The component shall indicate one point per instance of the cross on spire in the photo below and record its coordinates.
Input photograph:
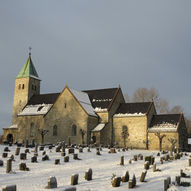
(30, 48)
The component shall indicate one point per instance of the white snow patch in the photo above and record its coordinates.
(39, 109)
(99, 127)
(129, 114)
(101, 100)
(99, 109)
(12, 127)
(164, 127)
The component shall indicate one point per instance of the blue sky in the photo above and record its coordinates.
(97, 44)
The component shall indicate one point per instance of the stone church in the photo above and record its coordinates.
(81, 117)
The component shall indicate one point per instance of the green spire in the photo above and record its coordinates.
(28, 70)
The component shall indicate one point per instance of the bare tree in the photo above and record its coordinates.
(173, 143)
(83, 132)
(42, 132)
(176, 109)
(126, 97)
(160, 137)
(124, 135)
(148, 95)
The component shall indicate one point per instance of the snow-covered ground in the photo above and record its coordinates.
(103, 167)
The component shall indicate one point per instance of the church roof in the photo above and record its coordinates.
(43, 99)
(126, 109)
(101, 98)
(28, 70)
(165, 122)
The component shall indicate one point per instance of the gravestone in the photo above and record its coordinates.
(130, 183)
(112, 150)
(4, 155)
(57, 161)
(135, 157)
(122, 160)
(75, 156)
(116, 181)
(74, 179)
(52, 182)
(6, 149)
(23, 156)
(98, 153)
(17, 151)
(23, 167)
(44, 152)
(88, 175)
(63, 154)
(154, 167)
(9, 166)
(9, 188)
(71, 151)
(58, 149)
(45, 157)
(125, 178)
(146, 165)
(41, 148)
(80, 150)
(143, 175)
(33, 159)
(70, 189)
(27, 151)
(1, 163)
(66, 159)
(134, 180)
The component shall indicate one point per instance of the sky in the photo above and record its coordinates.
(94, 44)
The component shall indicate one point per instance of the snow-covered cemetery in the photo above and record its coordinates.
(70, 168)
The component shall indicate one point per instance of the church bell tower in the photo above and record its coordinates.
(27, 84)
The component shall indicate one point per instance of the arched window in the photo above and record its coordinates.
(32, 130)
(124, 129)
(74, 130)
(55, 130)
(23, 86)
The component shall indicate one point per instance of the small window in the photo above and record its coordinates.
(34, 87)
(23, 86)
(19, 86)
(55, 130)
(124, 128)
(74, 130)
(65, 105)
(32, 130)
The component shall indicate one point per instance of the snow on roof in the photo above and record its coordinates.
(99, 109)
(99, 127)
(129, 114)
(12, 127)
(84, 100)
(164, 127)
(38, 109)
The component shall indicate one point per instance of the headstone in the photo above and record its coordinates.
(41, 148)
(177, 180)
(112, 150)
(88, 175)
(140, 157)
(6, 149)
(9, 166)
(58, 149)
(66, 159)
(9, 188)
(44, 152)
(135, 157)
(23, 167)
(146, 165)
(27, 144)
(75, 156)
(71, 151)
(52, 182)
(1, 163)
(57, 161)
(50, 147)
(63, 148)
(143, 175)
(33, 159)
(161, 160)
(98, 153)
(74, 179)
(189, 161)
(88, 149)
(165, 185)
(122, 160)
(130, 161)
(134, 180)
(130, 183)
(45, 157)
(4, 155)
(63, 154)
(80, 150)
(23, 156)
(125, 178)
(154, 167)
(27, 151)
(116, 181)
(17, 151)
(12, 157)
